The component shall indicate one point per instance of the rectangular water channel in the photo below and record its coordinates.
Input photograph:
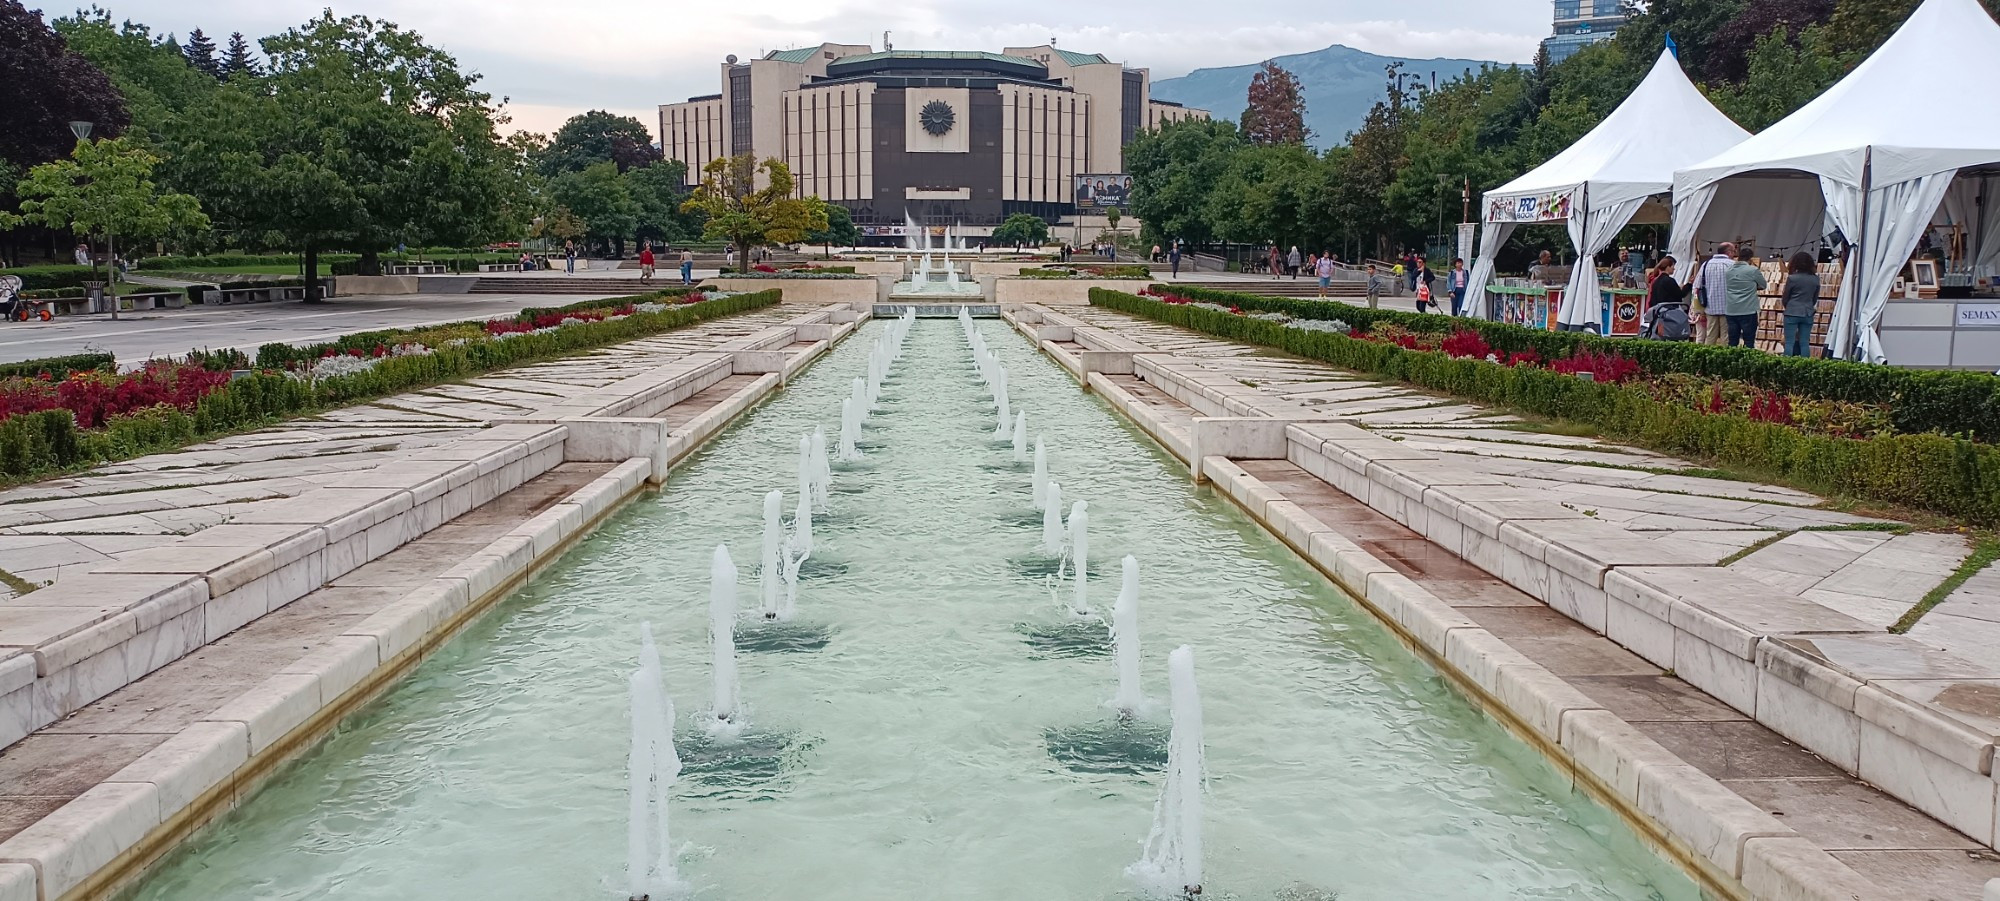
(916, 760)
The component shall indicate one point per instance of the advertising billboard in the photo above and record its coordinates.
(1095, 192)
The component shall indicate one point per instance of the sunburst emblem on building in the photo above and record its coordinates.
(937, 117)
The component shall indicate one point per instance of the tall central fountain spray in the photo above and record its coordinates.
(1171, 867)
(1125, 640)
(1052, 529)
(770, 569)
(724, 705)
(1079, 553)
(651, 770)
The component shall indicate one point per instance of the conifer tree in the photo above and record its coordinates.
(239, 58)
(200, 52)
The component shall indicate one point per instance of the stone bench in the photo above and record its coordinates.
(222, 294)
(418, 269)
(500, 267)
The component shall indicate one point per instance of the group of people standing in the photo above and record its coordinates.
(1722, 298)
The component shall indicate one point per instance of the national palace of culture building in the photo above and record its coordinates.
(946, 137)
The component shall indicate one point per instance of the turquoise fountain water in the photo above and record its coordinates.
(914, 753)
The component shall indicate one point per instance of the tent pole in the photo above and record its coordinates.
(1856, 253)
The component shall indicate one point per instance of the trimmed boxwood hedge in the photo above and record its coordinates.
(38, 443)
(42, 278)
(1946, 475)
(1948, 402)
(55, 367)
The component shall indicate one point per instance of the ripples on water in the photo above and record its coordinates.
(945, 735)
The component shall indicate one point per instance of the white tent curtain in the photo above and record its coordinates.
(1492, 236)
(1590, 233)
(1689, 208)
(1981, 222)
(1898, 215)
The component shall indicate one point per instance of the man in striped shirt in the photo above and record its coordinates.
(1713, 282)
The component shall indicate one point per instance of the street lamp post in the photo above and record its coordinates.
(82, 128)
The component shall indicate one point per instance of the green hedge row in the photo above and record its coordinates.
(38, 443)
(1951, 403)
(42, 278)
(610, 303)
(55, 367)
(1954, 477)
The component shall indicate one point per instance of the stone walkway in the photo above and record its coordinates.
(62, 527)
(1829, 577)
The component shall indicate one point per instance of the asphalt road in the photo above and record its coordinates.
(135, 337)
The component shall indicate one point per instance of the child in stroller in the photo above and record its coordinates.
(13, 308)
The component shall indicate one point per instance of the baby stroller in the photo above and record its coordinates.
(1668, 322)
(13, 308)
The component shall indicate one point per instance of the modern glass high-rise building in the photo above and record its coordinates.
(1580, 23)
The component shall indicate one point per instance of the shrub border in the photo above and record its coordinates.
(33, 445)
(1953, 477)
(1917, 400)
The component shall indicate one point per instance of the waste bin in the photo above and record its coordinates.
(95, 293)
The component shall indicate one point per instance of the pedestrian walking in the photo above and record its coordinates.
(1324, 269)
(1275, 262)
(82, 254)
(569, 257)
(646, 262)
(687, 266)
(1174, 261)
(1801, 296)
(1460, 280)
(1711, 293)
(1374, 288)
(1293, 261)
(1743, 282)
(1422, 280)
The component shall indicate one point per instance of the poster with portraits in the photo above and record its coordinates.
(1096, 192)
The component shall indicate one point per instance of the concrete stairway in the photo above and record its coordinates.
(1270, 287)
(557, 285)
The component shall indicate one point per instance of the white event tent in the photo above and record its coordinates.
(1877, 156)
(1602, 182)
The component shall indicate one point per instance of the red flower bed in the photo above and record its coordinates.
(93, 397)
(1603, 367)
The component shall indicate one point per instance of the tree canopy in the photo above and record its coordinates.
(106, 189)
(747, 216)
(599, 137)
(1022, 229)
(44, 86)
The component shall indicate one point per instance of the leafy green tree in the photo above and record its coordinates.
(361, 136)
(1022, 229)
(560, 225)
(599, 197)
(1173, 170)
(105, 189)
(151, 72)
(200, 53)
(1691, 22)
(747, 216)
(839, 229)
(659, 190)
(596, 137)
(1860, 26)
(1783, 75)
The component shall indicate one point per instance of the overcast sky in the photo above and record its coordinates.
(554, 60)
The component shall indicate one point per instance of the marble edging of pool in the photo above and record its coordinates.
(406, 632)
(1731, 847)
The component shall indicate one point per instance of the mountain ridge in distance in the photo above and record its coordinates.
(1341, 84)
